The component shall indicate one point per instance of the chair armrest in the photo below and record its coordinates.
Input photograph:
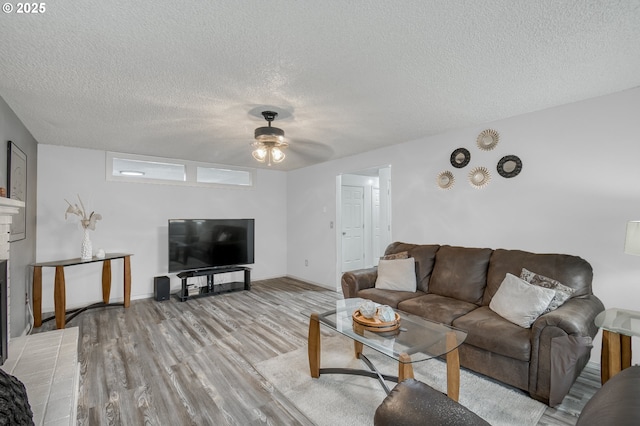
(354, 281)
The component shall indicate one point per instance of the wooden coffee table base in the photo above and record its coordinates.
(405, 367)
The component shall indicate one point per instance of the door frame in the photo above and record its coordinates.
(386, 186)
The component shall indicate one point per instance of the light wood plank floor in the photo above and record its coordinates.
(182, 363)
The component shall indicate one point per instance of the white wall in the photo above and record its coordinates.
(579, 186)
(22, 251)
(135, 221)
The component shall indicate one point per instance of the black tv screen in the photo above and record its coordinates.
(210, 243)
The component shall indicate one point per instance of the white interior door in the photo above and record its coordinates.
(352, 228)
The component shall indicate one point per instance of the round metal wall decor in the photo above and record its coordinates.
(509, 166)
(445, 180)
(460, 158)
(479, 177)
(488, 139)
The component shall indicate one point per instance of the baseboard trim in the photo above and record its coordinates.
(304, 280)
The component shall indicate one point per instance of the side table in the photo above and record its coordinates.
(618, 325)
(59, 292)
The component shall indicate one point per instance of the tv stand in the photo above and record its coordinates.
(210, 289)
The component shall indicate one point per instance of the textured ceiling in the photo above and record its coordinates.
(188, 80)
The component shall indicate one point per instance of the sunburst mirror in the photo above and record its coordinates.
(479, 177)
(488, 139)
(445, 180)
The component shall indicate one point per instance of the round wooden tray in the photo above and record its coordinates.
(375, 324)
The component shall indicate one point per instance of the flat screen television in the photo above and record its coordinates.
(196, 244)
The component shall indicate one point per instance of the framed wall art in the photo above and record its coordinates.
(17, 188)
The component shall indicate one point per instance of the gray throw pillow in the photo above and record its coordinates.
(393, 256)
(563, 293)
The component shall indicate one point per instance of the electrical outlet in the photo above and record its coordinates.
(306, 262)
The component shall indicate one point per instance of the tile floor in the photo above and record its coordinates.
(47, 364)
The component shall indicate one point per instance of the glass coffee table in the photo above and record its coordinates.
(417, 339)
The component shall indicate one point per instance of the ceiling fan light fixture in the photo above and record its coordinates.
(277, 155)
(269, 142)
(269, 134)
(260, 154)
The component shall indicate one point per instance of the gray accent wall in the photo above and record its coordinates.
(23, 252)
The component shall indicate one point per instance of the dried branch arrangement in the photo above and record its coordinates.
(87, 222)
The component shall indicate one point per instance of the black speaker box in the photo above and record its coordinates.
(161, 288)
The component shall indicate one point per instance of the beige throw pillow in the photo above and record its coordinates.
(520, 302)
(398, 274)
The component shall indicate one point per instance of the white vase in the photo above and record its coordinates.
(87, 249)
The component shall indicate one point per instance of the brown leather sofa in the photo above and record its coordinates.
(455, 286)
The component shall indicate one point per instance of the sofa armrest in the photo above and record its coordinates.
(354, 281)
(561, 343)
(575, 317)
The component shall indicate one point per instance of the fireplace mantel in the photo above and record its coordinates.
(8, 207)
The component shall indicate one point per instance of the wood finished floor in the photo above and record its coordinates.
(191, 363)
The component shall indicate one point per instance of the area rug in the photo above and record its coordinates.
(337, 399)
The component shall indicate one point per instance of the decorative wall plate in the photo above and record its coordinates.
(479, 177)
(509, 166)
(445, 180)
(488, 139)
(460, 158)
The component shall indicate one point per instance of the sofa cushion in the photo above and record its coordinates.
(388, 297)
(572, 271)
(425, 256)
(563, 293)
(437, 308)
(489, 331)
(398, 274)
(460, 273)
(520, 302)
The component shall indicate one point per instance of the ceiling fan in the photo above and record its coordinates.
(269, 143)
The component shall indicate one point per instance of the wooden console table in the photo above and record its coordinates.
(59, 297)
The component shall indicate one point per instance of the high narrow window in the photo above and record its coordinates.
(149, 169)
(223, 176)
(139, 168)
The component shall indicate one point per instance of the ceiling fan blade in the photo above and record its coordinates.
(310, 150)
